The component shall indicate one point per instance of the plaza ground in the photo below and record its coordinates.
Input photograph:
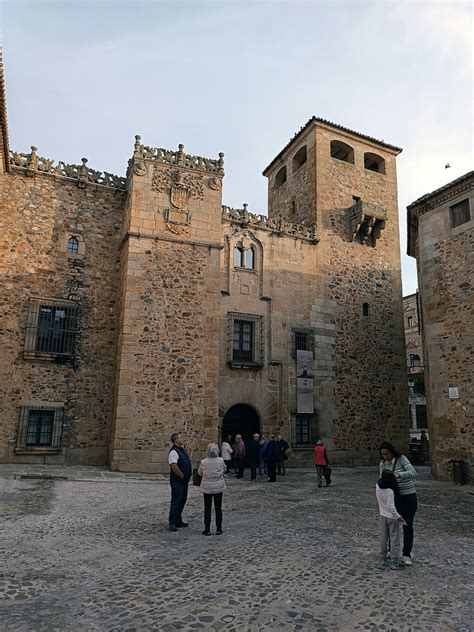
(87, 549)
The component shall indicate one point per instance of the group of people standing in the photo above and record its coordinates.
(268, 456)
(395, 489)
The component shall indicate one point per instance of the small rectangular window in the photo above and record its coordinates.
(303, 429)
(410, 321)
(302, 340)
(460, 213)
(51, 327)
(40, 426)
(245, 339)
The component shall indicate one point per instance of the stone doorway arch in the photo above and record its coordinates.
(240, 419)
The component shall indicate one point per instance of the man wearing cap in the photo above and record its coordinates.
(180, 473)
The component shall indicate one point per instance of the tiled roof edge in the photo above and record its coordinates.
(3, 116)
(316, 119)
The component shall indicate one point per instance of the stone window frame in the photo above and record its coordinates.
(243, 254)
(81, 246)
(309, 339)
(455, 218)
(257, 361)
(307, 436)
(336, 146)
(32, 350)
(281, 176)
(21, 442)
(371, 160)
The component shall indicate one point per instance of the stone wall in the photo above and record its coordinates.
(37, 216)
(445, 263)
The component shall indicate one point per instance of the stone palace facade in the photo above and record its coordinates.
(135, 306)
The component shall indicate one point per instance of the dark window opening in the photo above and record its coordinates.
(415, 360)
(460, 213)
(56, 329)
(341, 151)
(293, 209)
(39, 426)
(303, 429)
(299, 158)
(355, 200)
(365, 309)
(421, 417)
(373, 162)
(410, 321)
(73, 245)
(238, 257)
(243, 341)
(280, 177)
(301, 341)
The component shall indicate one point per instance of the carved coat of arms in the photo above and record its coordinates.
(179, 195)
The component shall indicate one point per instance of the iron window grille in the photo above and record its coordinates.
(40, 426)
(460, 213)
(51, 327)
(303, 340)
(303, 429)
(245, 340)
(73, 245)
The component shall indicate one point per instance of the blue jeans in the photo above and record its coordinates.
(179, 495)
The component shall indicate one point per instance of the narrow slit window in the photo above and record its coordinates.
(250, 258)
(365, 309)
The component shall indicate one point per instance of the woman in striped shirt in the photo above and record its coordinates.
(405, 474)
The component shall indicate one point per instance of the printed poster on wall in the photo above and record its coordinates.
(304, 382)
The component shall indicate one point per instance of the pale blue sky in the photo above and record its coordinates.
(242, 77)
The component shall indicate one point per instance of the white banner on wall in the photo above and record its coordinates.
(304, 382)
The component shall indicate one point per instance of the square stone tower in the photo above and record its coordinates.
(344, 185)
(168, 350)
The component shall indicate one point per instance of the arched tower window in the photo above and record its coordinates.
(73, 245)
(299, 158)
(373, 162)
(238, 257)
(365, 309)
(280, 177)
(341, 151)
(250, 258)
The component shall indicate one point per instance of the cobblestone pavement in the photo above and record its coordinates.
(92, 553)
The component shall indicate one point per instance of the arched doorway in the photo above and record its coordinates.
(240, 419)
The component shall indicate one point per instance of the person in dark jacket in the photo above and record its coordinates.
(283, 446)
(272, 455)
(252, 450)
(180, 473)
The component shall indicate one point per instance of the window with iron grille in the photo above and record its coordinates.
(245, 339)
(303, 340)
(460, 213)
(303, 429)
(51, 327)
(40, 426)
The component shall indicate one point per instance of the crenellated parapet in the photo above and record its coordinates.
(262, 222)
(33, 164)
(178, 158)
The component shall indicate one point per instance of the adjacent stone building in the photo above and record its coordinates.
(441, 237)
(134, 306)
(416, 379)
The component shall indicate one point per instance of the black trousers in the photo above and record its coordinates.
(240, 468)
(207, 511)
(253, 470)
(272, 470)
(407, 507)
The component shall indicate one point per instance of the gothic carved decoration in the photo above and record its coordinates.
(33, 164)
(215, 183)
(276, 225)
(171, 180)
(366, 222)
(177, 221)
(139, 168)
(178, 158)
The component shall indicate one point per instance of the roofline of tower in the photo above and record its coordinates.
(3, 117)
(315, 120)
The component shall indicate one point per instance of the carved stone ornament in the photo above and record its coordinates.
(215, 183)
(177, 221)
(179, 195)
(139, 168)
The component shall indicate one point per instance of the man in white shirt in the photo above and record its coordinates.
(180, 473)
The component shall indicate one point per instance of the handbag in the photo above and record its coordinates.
(197, 478)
